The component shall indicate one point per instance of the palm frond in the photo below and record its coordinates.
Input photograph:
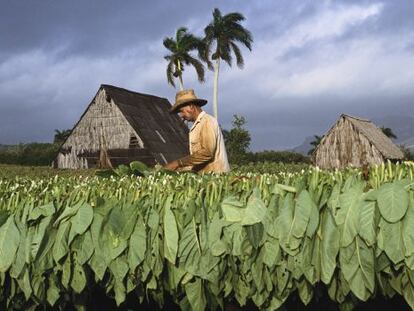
(180, 33)
(170, 44)
(237, 52)
(240, 34)
(170, 71)
(198, 67)
(217, 14)
(234, 17)
(224, 52)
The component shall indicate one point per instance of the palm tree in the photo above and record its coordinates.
(388, 132)
(60, 136)
(180, 49)
(315, 143)
(222, 34)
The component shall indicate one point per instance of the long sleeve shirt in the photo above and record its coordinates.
(207, 149)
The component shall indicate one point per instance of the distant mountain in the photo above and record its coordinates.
(3, 146)
(305, 146)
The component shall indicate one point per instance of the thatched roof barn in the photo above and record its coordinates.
(123, 126)
(356, 142)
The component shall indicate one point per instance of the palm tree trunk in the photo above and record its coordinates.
(180, 78)
(215, 95)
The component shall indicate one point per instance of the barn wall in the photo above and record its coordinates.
(344, 146)
(103, 124)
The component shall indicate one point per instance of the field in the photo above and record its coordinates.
(259, 236)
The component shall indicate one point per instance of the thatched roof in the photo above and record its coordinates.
(149, 116)
(375, 135)
(163, 137)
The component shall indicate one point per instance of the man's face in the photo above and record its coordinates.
(187, 113)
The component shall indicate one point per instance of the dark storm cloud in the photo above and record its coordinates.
(92, 27)
(311, 61)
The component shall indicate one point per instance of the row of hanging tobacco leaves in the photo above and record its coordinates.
(206, 239)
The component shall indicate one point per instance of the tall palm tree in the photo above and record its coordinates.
(222, 34)
(180, 49)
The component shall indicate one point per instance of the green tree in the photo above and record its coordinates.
(60, 136)
(237, 140)
(180, 49)
(222, 34)
(315, 143)
(388, 132)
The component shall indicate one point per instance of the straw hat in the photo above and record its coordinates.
(186, 97)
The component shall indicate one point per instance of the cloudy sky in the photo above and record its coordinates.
(311, 61)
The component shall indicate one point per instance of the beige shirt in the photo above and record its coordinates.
(207, 149)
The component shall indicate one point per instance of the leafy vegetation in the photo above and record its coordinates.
(29, 154)
(39, 172)
(237, 141)
(207, 239)
(277, 157)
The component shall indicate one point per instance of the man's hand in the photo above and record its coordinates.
(172, 166)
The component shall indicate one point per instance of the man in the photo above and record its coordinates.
(207, 150)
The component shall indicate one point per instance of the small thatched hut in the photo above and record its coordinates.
(356, 142)
(122, 126)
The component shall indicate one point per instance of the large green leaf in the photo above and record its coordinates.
(215, 229)
(137, 245)
(349, 214)
(78, 280)
(39, 237)
(271, 251)
(119, 268)
(367, 228)
(255, 209)
(333, 201)
(85, 249)
(44, 210)
(195, 295)
(391, 241)
(301, 215)
(288, 241)
(81, 221)
(9, 243)
(218, 248)
(313, 220)
(254, 235)
(329, 247)
(53, 292)
(111, 240)
(131, 214)
(233, 209)
(189, 248)
(408, 232)
(60, 247)
(357, 264)
(68, 212)
(393, 201)
(170, 234)
(19, 262)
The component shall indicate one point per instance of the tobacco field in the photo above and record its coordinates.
(203, 240)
